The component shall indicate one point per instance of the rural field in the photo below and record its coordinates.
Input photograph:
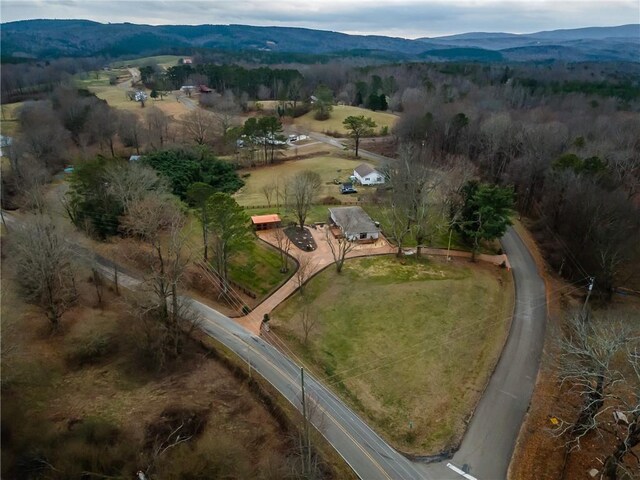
(164, 61)
(408, 355)
(339, 113)
(329, 167)
(9, 121)
(115, 95)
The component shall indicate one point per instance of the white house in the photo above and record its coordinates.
(354, 224)
(367, 175)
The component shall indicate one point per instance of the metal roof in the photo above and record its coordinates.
(353, 220)
(364, 169)
(272, 218)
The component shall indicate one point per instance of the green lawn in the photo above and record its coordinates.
(162, 60)
(328, 167)
(410, 345)
(339, 113)
(257, 268)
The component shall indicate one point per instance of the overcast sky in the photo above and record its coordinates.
(401, 18)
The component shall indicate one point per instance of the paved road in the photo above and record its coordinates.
(334, 142)
(488, 444)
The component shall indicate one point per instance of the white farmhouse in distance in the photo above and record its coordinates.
(367, 175)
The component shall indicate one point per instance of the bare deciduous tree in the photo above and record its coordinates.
(199, 126)
(301, 192)
(339, 247)
(157, 127)
(45, 271)
(268, 191)
(283, 243)
(130, 130)
(224, 108)
(308, 320)
(412, 184)
(131, 182)
(599, 367)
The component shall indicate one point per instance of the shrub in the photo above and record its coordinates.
(97, 431)
(334, 133)
(89, 350)
(330, 201)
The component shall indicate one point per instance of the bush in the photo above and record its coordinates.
(89, 350)
(97, 431)
(330, 201)
(334, 133)
(322, 115)
(301, 109)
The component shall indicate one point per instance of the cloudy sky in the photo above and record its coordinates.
(401, 18)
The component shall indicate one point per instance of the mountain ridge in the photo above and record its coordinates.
(45, 38)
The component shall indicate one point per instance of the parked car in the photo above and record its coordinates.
(346, 188)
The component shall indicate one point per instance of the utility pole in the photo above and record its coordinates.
(115, 277)
(249, 359)
(561, 267)
(306, 453)
(586, 301)
(4, 222)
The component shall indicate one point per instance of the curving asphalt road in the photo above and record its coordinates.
(487, 447)
(488, 444)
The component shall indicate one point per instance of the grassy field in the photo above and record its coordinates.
(116, 97)
(328, 167)
(339, 113)
(9, 122)
(257, 268)
(410, 346)
(162, 60)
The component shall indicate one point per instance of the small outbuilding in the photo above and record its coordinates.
(265, 222)
(367, 175)
(354, 224)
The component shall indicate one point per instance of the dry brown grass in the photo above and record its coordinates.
(41, 389)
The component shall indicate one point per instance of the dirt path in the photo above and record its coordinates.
(322, 257)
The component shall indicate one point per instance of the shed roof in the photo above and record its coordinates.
(353, 220)
(364, 169)
(258, 219)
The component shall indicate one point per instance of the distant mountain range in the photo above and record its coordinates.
(75, 38)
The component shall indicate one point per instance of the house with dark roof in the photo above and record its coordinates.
(367, 175)
(354, 224)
